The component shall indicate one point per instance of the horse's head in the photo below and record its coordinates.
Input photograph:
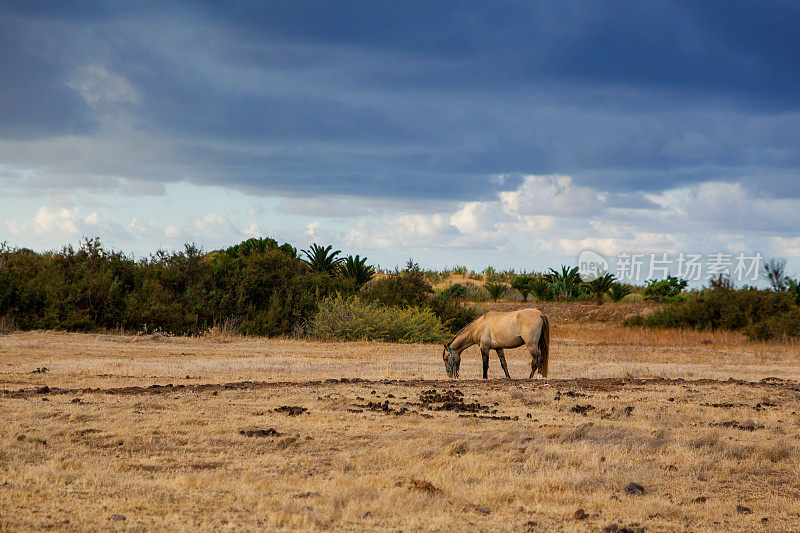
(452, 362)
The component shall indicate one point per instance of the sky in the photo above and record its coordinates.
(513, 134)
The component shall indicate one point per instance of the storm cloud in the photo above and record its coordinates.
(386, 102)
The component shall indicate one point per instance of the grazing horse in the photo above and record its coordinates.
(495, 331)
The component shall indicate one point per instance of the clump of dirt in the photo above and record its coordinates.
(291, 410)
(382, 407)
(426, 486)
(42, 370)
(582, 409)
(570, 394)
(449, 400)
(490, 417)
(746, 426)
(271, 432)
(634, 488)
(434, 396)
(618, 528)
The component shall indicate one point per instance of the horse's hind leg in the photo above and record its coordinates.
(502, 357)
(485, 356)
(536, 363)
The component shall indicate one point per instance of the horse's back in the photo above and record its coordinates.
(514, 328)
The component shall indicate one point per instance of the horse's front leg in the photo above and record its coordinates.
(502, 357)
(485, 356)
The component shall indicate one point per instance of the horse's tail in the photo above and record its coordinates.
(544, 345)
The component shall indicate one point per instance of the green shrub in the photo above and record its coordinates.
(522, 284)
(454, 291)
(452, 312)
(262, 288)
(495, 290)
(665, 289)
(760, 314)
(619, 291)
(400, 289)
(542, 289)
(353, 318)
(600, 285)
(457, 270)
(565, 284)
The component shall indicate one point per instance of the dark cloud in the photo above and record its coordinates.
(416, 99)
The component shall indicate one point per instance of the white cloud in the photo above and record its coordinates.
(62, 220)
(550, 195)
(553, 215)
(313, 230)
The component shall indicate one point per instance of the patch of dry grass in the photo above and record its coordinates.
(205, 458)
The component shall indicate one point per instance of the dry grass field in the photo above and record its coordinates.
(635, 430)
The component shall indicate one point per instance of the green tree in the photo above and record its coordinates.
(522, 284)
(793, 286)
(774, 271)
(402, 288)
(665, 289)
(456, 291)
(321, 259)
(496, 290)
(356, 269)
(541, 289)
(601, 285)
(619, 291)
(565, 283)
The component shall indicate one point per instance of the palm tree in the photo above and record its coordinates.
(565, 283)
(356, 268)
(541, 288)
(601, 285)
(522, 284)
(619, 291)
(322, 259)
(496, 290)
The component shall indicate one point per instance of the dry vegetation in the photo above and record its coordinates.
(654, 408)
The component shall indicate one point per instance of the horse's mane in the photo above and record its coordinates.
(471, 324)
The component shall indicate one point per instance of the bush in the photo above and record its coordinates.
(760, 314)
(522, 284)
(262, 288)
(410, 288)
(542, 289)
(454, 291)
(453, 314)
(495, 290)
(619, 291)
(664, 289)
(353, 318)
(400, 289)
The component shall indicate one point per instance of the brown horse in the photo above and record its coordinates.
(496, 331)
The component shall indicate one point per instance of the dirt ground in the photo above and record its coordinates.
(636, 430)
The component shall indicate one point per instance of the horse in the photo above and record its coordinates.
(497, 330)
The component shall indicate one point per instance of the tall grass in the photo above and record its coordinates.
(353, 318)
